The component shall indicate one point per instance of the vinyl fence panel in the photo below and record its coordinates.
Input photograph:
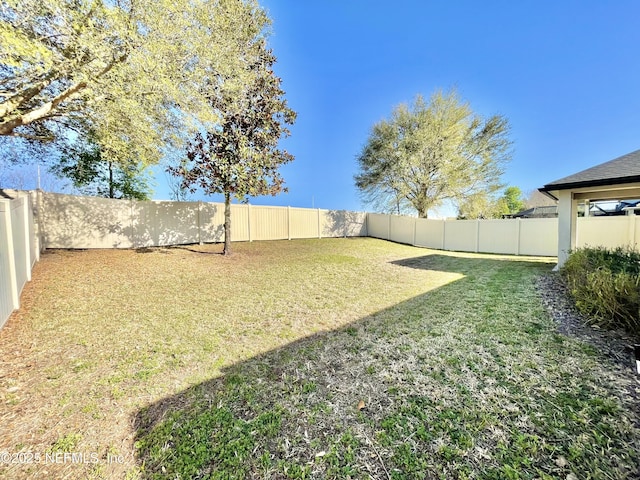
(378, 225)
(8, 285)
(20, 233)
(268, 223)
(461, 235)
(34, 237)
(539, 237)
(430, 233)
(305, 223)
(402, 229)
(211, 222)
(609, 232)
(343, 223)
(498, 236)
(87, 222)
(164, 223)
(17, 253)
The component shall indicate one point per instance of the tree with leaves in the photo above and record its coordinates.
(482, 205)
(385, 194)
(84, 164)
(129, 71)
(512, 198)
(479, 206)
(428, 153)
(239, 156)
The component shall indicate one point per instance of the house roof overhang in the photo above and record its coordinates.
(616, 179)
(603, 191)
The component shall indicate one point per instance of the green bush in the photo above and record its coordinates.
(605, 285)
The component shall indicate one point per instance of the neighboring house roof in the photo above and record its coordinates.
(549, 211)
(621, 170)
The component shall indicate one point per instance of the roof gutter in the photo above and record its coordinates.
(591, 183)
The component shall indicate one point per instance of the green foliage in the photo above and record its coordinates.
(67, 443)
(513, 200)
(428, 153)
(215, 437)
(130, 71)
(239, 156)
(484, 205)
(84, 164)
(605, 285)
(479, 205)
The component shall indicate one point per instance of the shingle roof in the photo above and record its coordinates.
(624, 169)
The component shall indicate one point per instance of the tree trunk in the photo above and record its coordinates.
(111, 192)
(423, 210)
(422, 207)
(227, 224)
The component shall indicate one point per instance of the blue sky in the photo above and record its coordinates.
(565, 73)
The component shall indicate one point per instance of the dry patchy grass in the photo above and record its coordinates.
(189, 364)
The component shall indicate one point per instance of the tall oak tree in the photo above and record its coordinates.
(427, 153)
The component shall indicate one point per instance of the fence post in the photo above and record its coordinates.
(366, 224)
(200, 222)
(249, 221)
(42, 233)
(133, 230)
(518, 236)
(389, 227)
(319, 227)
(27, 236)
(444, 233)
(477, 249)
(289, 222)
(33, 205)
(415, 223)
(11, 256)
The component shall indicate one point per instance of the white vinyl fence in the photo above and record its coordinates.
(89, 222)
(530, 236)
(67, 221)
(19, 250)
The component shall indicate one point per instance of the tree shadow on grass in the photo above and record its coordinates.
(461, 263)
(192, 248)
(396, 394)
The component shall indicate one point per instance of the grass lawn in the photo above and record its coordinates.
(333, 358)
